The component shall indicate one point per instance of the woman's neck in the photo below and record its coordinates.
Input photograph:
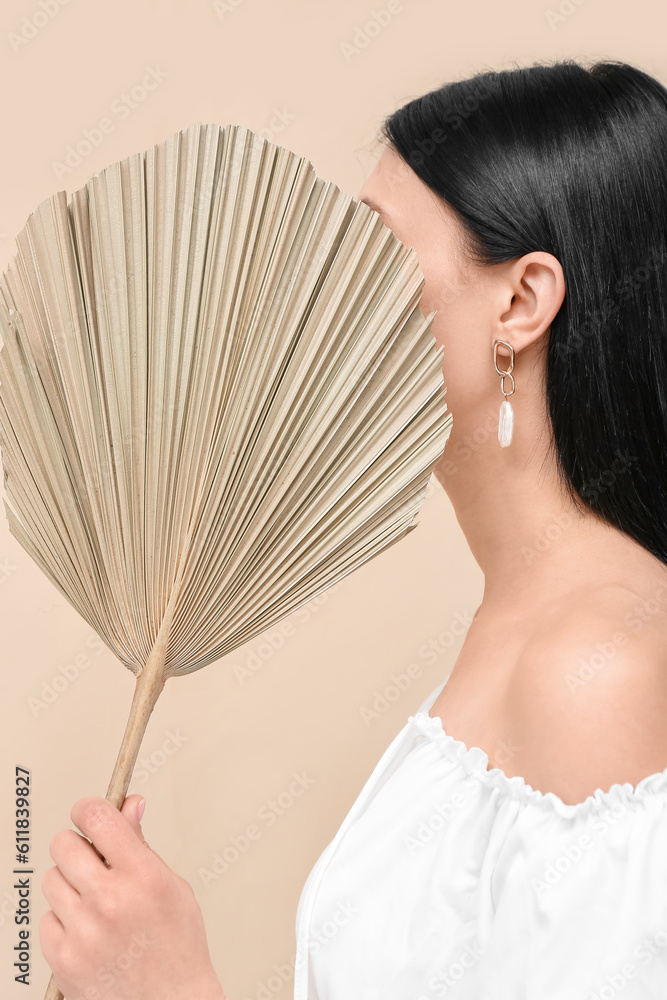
(531, 541)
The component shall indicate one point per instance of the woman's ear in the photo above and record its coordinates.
(532, 293)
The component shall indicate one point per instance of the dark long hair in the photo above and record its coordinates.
(572, 161)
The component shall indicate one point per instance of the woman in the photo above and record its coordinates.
(512, 841)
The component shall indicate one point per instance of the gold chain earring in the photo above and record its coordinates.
(506, 419)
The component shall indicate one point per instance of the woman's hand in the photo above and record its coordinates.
(130, 931)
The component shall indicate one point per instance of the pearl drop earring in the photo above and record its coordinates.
(506, 419)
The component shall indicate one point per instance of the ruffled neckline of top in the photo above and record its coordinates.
(475, 762)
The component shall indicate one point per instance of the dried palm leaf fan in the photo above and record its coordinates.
(218, 397)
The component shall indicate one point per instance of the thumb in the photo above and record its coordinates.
(132, 809)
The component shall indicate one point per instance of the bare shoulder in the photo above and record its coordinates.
(587, 703)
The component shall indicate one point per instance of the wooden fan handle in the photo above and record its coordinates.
(52, 991)
(149, 685)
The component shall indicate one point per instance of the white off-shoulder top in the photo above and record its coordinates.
(450, 879)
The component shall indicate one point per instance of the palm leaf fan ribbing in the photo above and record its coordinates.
(218, 397)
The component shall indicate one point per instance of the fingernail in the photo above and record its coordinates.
(140, 810)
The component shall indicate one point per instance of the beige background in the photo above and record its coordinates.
(225, 741)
